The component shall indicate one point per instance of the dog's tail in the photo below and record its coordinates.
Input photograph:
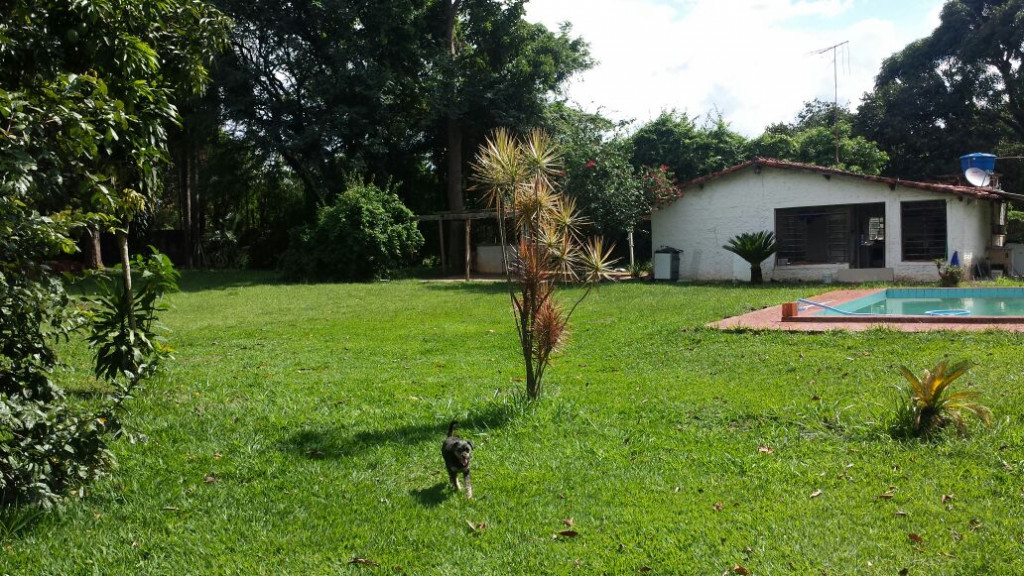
(451, 428)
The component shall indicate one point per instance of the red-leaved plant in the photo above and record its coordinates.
(519, 180)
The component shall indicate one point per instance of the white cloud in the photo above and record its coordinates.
(752, 60)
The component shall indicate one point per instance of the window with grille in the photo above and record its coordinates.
(923, 228)
(813, 235)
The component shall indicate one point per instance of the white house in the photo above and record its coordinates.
(829, 224)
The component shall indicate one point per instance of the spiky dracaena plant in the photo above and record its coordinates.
(754, 247)
(930, 405)
(519, 180)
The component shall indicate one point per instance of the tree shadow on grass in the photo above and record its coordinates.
(433, 496)
(472, 287)
(205, 280)
(328, 441)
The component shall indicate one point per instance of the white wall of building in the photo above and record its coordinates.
(704, 219)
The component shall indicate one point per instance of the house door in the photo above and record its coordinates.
(868, 236)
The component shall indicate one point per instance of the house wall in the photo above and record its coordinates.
(704, 219)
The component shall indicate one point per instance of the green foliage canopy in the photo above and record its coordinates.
(959, 90)
(689, 150)
(86, 94)
(598, 172)
(811, 139)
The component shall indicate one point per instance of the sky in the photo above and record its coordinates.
(753, 61)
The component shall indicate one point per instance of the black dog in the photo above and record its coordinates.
(457, 454)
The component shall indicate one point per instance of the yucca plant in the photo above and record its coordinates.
(754, 247)
(929, 404)
(519, 180)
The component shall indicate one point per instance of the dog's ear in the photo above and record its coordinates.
(470, 442)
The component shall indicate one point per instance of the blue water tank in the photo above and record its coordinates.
(986, 162)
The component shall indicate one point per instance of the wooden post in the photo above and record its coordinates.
(440, 229)
(469, 249)
(632, 257)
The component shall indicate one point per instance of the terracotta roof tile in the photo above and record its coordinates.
(756, 163)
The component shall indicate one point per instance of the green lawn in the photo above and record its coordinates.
(300, 428)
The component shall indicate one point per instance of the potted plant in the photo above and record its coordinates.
(949, 275)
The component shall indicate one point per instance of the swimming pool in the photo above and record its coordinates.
(931, 302)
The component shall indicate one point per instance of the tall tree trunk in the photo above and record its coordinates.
(453, 187)
(185, 190)
(126, 276)
(93, 249)
(197, 208)
(456, 202)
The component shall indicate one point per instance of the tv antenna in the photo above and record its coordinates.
(835, 81)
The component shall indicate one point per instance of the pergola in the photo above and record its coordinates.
(464, 216)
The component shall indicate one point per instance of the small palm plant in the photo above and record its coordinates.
(754, 247)
(929, 404)
(519, 180)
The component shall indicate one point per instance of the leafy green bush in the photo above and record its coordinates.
(125, 333)
(47, 445)
(367, 233)
(46, 448)
(1015, 227)
(949, 275)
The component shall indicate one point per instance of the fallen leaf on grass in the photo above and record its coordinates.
(644, 569)
(569, 522)
(718, 506)
(738, 569)
(765, 449)
(914, 537)
(975, 524)
(816, 493)
(886, 495)
(568, 534)
(477, 526)
(956, 535)
(210, 478)
(904, 571)
(900, 513)
(363, 562)
(170, 508)
(947, 498)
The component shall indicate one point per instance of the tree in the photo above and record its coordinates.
(493, 69)
(138, 55)
(959, 90)
(811, 139)
(754, 247)
(84, 109)
(395, 90)
(332, 87)
(519, 180)
(598, 172)
(689, 150)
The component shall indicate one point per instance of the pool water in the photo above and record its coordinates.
(922, 301)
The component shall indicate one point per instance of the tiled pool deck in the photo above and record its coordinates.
(771, 319)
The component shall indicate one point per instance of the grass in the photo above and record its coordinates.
(300, 427)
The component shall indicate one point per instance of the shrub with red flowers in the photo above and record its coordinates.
(660, 186)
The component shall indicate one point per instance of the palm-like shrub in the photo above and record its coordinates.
(519, 180)
(754, 247)
(929, 405)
